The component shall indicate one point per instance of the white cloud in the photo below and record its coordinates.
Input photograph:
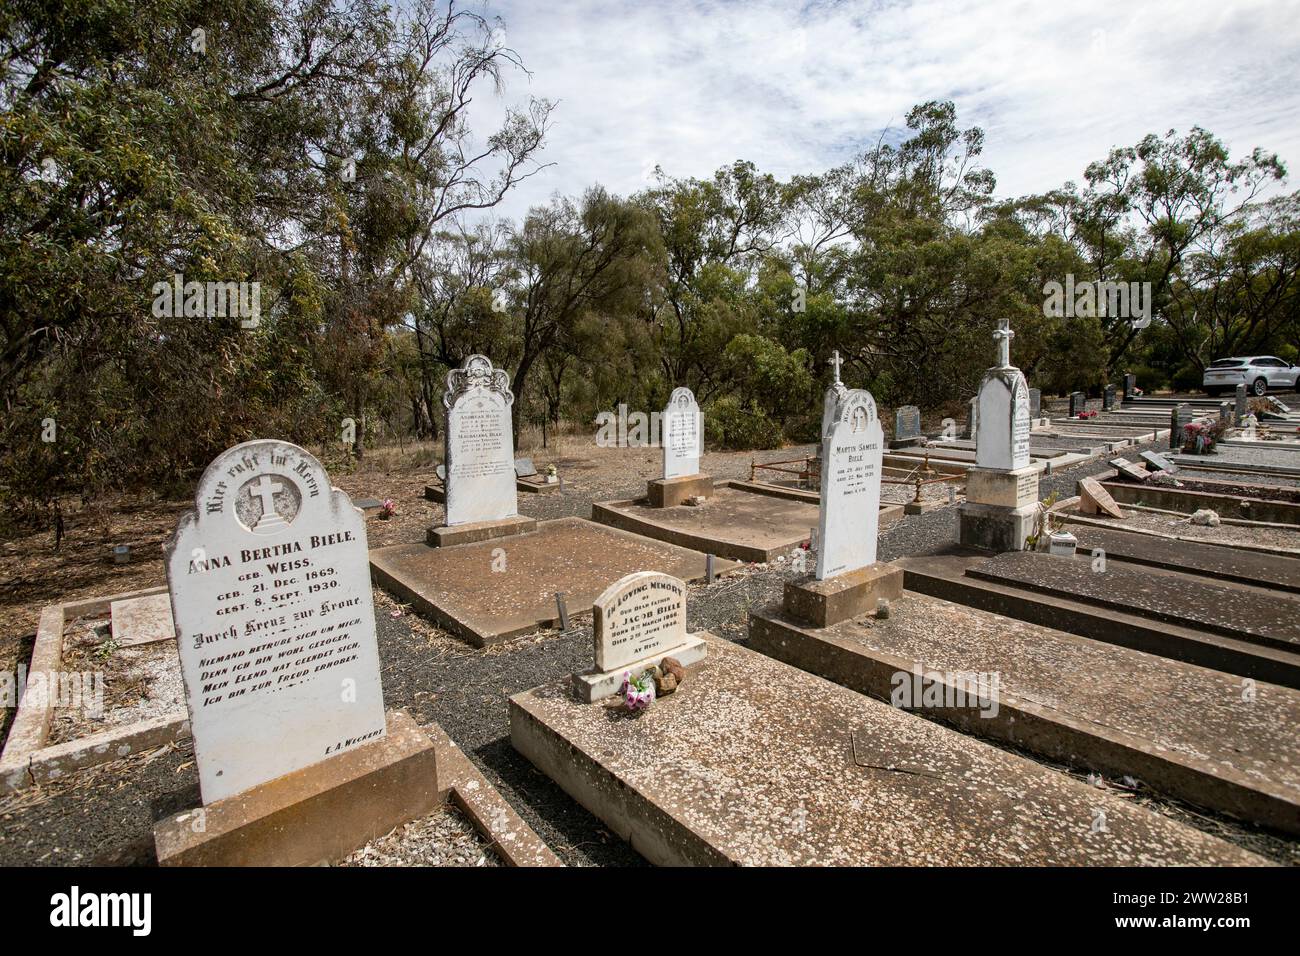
(797, 88)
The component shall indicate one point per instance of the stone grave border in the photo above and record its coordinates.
(383, 577)
(461, 783)
(28, 761)
(28, 757)
(614, 514)
(1272, 513)
(1044, 729)
(943, 576)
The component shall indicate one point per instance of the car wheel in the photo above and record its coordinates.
(1260, 387)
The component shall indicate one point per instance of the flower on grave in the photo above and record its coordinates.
(387, 509)
(552, 471)
(638, 692)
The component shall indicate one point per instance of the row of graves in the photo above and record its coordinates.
(900, 712)
(883, 698)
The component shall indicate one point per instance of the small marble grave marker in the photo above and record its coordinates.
(1130, 384)
(683, 435)
(636, 622)
(850, 487)
(524, 468)
(1158, 461)
(1130, 470)
(480, 444)
(1078, 403)
(1108, 398)
(270, 592)
(1035, 403)
(1242, 405)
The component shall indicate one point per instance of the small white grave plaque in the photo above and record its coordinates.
(270, 591)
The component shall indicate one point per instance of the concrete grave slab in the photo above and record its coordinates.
(1242, 459)
(1245, 615)
(1189, 500)
(1067, 698)
(1209, 560)
(459, 588)
(741, 520)
(944, 576)
(773, 766)
(142, 620)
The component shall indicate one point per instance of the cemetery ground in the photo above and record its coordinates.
(105, 814)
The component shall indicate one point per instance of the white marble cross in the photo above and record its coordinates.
(1003, 336)
(835, 361)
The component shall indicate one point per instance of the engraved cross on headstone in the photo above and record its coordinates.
(266, 490)
(1003, 336)
(835, 363)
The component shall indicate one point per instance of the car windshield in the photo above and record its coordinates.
(1225, 363)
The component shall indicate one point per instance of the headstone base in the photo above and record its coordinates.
(671, 492)
(921, 507)
(994, 527)
(317, 814)
(597, 685)
(823, 603)
(1007, 489)
(474, 531)
(908, 442)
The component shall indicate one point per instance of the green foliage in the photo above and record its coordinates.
(131, 158)
(731, 424)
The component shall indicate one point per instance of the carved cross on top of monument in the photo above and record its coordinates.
(835, 363)
(1003, 336)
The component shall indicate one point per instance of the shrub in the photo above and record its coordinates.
(731, 425)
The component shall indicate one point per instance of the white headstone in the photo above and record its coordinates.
(270, 591)
(637, 617)
(480, 445)
(1002, 417)
(850, 498)
(683, 435)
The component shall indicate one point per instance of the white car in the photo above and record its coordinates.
(1258, 372)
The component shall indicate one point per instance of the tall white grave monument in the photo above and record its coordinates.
(481, 495)
(847, 580)
(682, 437)
(1002, 489)
(275, 627)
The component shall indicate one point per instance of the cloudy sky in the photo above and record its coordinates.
(799, 87)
